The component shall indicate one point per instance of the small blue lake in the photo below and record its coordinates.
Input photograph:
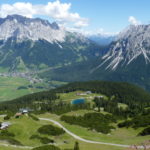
(78, 101)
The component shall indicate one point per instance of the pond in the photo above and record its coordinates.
(78, 101)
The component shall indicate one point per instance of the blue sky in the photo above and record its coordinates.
(98, 15)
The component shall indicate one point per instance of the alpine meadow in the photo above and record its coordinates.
(74, 75)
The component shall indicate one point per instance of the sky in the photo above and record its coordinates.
(88, 16)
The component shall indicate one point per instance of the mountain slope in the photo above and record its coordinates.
(38, 43)
(126, 59)
(132, 43)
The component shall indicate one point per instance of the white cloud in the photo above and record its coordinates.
(81, 23)
(95, 32)
(56, 10)
(132, 20)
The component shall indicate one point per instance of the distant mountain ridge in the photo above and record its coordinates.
(102, 39)
(35, 44)
(38, 43)
(125, 59)
(128, 58)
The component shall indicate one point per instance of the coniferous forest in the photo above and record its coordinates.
(135, 115)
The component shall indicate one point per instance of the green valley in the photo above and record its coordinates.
(14, 87)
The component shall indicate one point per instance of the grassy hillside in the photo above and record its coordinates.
(13, 87)
(25, 127)
(108, 105)
(126, 136)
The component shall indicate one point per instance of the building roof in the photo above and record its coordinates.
(5, 125)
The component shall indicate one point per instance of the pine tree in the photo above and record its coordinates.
(76, 146)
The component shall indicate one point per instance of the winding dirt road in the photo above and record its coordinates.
(74, 136)
(79, 138)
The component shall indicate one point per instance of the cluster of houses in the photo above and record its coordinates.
(84, 93)
(26, 75)
(22, 111)
(87, 93)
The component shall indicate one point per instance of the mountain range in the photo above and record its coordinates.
(27, 44)
(125, 59)
(102, 39)
(36, 44)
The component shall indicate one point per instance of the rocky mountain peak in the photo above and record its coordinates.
(21, 28)
(130, 44)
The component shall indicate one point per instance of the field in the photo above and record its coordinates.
(119, 136)
(13, 87)
(11, 148)
(68, 97)
(25, 127)
(9, 88)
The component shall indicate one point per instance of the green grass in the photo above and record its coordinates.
(2, 70)
(12, 148)
(9, 85)
(25, 127)
(68, 97)
(118, 136)
(87, 146)
(124, 106)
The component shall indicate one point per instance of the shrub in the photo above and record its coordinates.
(10, 140)
(34, 117)
(6, 133)
(7, 117)
(43, 140)
(46, 140)
(144, 132)
(93, 121)
(51, 130)
(47, 147)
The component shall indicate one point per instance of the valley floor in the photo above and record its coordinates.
(14, 87)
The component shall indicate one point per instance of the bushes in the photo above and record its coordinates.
(146, 131)
(47, 147)
(96, 121)
(7, 134)
(34, 117)
(136, 122)
(126, 123)
(44, 140)
(50, 130)
(10, 140)
(7, 117)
